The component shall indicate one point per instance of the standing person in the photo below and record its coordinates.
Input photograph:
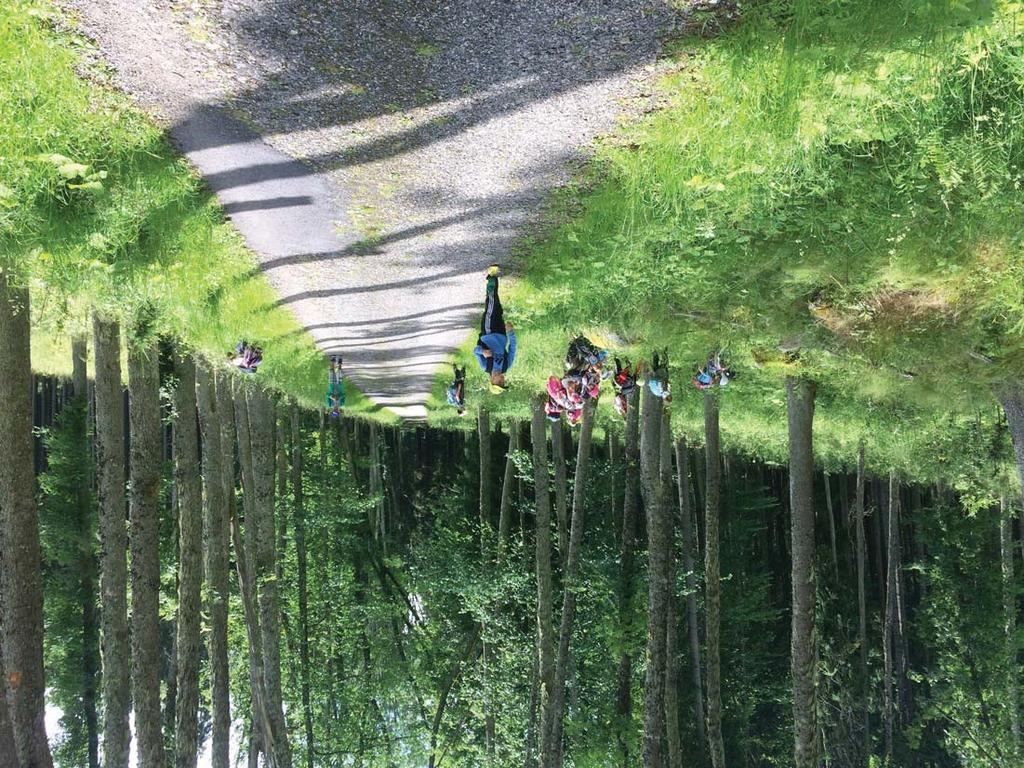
(457, 389)
(495, 349)
(335, 396)
(657, 378)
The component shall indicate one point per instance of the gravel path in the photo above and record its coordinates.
(378, 154)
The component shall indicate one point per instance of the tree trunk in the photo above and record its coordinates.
(800, 402)
(21, 619)
(113, 543)
(572, 557)
(675, 749)
(8, 749)
(888, 707)
(712, 582)
(302, 564)
(261, 435)
(862, 613)
(545, 622)
(281, 447)
(831, 527)
(1010, 617)
(561, 489)
(486, 485)
(87, 565)
(507, 489)
(187, 479)
(486, 493)
(627, 577)
(215, 531)
(689, 568)
(657, 549)
(1012, 399)
(529, 758)
(146, 470)
(245, 566)
(262, 731)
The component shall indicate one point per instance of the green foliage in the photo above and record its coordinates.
(97, 211)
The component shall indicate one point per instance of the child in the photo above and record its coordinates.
(625, 378)
(495, 349)
(335, 397)
(657, 379)
(624, 384)
(247, 357)
(457, 390)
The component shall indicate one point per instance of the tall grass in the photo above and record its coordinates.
(839, 175)
(98, 212)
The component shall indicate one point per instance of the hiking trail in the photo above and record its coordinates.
(377, 155)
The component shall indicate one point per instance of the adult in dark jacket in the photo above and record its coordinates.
(495, 349)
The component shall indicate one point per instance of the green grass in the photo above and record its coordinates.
(844, 173)
(98, 212)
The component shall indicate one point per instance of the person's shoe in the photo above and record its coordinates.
(494, 270)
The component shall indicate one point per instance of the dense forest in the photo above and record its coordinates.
(336, 592)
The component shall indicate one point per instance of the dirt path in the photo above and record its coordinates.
(378, 154)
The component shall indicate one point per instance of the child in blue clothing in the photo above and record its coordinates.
(657, 379)
(495, 349)
(457, 389)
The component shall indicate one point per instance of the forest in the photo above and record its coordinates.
(818, 565)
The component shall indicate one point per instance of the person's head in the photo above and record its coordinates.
(461, 412)
(498, 380)
(335, 412)
(668, 397)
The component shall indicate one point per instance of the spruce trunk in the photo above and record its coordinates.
(21, 592)
(303, 571)
(215, 530)
(261, 434)
(113, 543)
(712, 581)
(507, 489)
(545, 622)
(689, 568)
(1010, 617)
(146, 459)
(1012, 399)
(862, 612)
(627, 577)
(572, 557)
(87, 565)
(190, 562)
(561, 489)
(654, 505)
(675, 749)
(800, 403)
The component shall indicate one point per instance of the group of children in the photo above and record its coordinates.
(247, 359)
(495, 353)
(714, 373)
(584, 372)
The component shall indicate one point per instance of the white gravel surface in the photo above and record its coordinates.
(378, 154)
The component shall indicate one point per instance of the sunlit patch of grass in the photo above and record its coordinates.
(841, 176)
(123, 225)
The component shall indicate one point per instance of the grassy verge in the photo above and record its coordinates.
(97, 211)
(840, 176)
